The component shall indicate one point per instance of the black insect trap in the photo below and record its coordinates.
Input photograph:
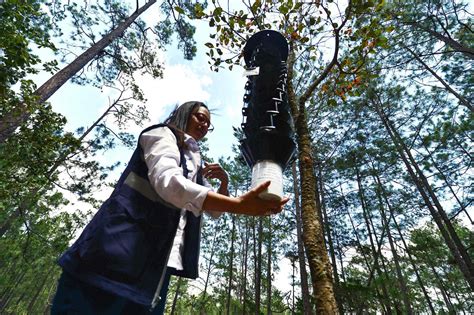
(268, 143)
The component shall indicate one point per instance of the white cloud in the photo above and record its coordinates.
(178, 85)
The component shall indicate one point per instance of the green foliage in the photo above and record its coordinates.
(21, 23)
(184, 30)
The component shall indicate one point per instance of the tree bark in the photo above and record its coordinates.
(313, 237)
(176, 295)
(269, 268)
(38, 290)
(231, 266)
(329, 242)
(307, 308)
(371, 234)
(396, 259)
(258, 265)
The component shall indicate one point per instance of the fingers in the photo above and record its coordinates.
(284, 200)
(260, 188)
(214, 170)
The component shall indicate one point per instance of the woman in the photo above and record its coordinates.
(149, 227)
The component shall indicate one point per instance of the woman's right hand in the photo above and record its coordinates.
(251, 204)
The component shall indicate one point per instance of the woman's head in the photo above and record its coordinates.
(193, 118)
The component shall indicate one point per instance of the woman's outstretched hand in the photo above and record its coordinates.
(251, 204)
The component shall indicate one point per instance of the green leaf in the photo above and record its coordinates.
(217, 12)
(332, 102)
(179, 10)
(283, 9)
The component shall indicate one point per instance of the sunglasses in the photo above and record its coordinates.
(203, 120)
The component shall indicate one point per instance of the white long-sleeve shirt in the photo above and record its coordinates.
(162, 158)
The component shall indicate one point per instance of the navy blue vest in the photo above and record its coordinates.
(125, 248)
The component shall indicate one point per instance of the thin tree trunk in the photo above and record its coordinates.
(269, 267)
(176, 295)
(307, 308)
(231, 266)
(8, 293)
(457, 46)
(384, 297)
(258, 269)
(385, 302)
(396, 259)
(39, 290)
(339, 257)
(244, 275)
(442, 289)
(445, 179)
(31, 195)
(208, 275)
(371, 235)
(49, 300)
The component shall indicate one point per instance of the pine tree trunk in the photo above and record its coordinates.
(9, 292)
(37, 191)
(39, 290)
(258, 267)
(51, 294)
(208, 275)
(410, 258)
(245, 268)
(10, 123)
(176, 295)
(330, 243)
(384, 297)
(313, 237)
(445, 179)
(231, 266)
(401, 279)
(269, 267)
(442, 289)
(457, 46)
(375, 253)
(307, 308)
(449, 234)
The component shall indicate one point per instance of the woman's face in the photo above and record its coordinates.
(199, 123)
